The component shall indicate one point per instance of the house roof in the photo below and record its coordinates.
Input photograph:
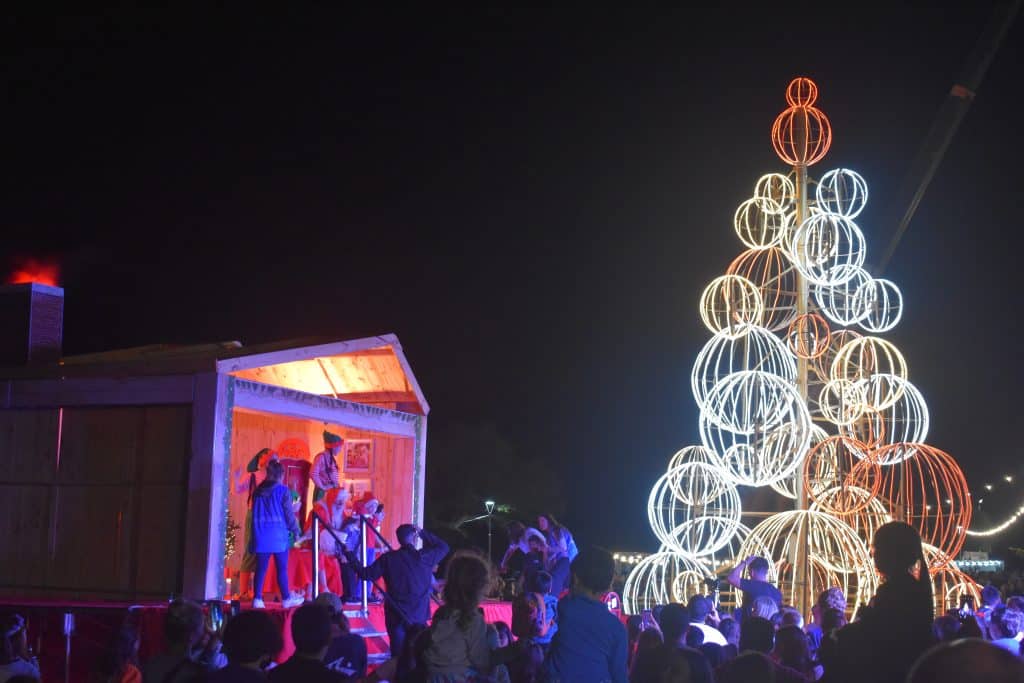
(368, 370)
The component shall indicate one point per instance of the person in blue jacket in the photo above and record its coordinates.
(274, 525)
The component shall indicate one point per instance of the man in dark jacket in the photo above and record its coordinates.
(408, 572)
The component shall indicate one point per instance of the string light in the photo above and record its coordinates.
(999, 528)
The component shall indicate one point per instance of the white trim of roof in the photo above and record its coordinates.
(339, 348)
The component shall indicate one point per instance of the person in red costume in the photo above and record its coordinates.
(372, 510)
(332, 510)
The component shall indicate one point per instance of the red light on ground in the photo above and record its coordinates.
(35, 271)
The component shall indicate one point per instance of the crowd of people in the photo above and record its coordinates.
(562, 630)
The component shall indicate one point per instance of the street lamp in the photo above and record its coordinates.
(489, 506)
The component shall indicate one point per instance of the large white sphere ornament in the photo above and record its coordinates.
(690, 529)
(759, 424)
(728, 353)
(653, 579)
(867, 356)
(836, 554)
(881, 304)
(843, 303)
(842, 191)
(777, 187)
(760, 222)
(895, 417)
(824, 242)
(731, 303)
(694, 475)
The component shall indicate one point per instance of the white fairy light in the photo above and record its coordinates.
(824, 242)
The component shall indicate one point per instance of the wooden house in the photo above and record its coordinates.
(122, 468)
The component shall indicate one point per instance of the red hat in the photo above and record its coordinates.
(367, 498)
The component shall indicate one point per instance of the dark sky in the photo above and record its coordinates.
(532, 200)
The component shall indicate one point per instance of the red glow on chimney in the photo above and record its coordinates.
(41, 272)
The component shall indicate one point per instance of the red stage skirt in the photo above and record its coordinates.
(300, 572)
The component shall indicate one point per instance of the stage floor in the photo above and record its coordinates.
(97, 621)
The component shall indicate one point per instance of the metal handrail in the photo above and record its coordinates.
(317, 521)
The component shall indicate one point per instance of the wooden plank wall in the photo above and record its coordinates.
(105, 517)
(391, 475)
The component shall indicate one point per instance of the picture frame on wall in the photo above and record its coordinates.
(358, 455)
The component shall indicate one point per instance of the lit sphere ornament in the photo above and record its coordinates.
(802, 134)
(778, 188)
(730, 303)
(917, 488)
(726, 354)
(881, 305)
(836, 554)
(694, 476)
(808, 336)
(759, 424)
(899, 423)
(801, 92)
(867, 356)
(843, 192)
(760, 222)
(841, 467)
(689, 529)
(775, 278)
(652, 580)
(823, 243)
(842, 303)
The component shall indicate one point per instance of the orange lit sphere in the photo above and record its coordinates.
(802, 134)
(801, 92)
(929, 492)
(774, 276)
(842, 468)
(808, 336)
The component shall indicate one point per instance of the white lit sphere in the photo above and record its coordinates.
(728, 353)
(895, 417)
(760, 222)
(697, 480)
(759, 424)
(777, 187)
(842, 303)
(842, 191)
(836, 554)
(840, 466)
(652, 579)
(730, 303)
(867, 356)
(881, 304)
(693, 530)
(824, 242)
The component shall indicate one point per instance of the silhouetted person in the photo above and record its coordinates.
(890, 637)
(251, 641)
(756, 586)
(967, 661)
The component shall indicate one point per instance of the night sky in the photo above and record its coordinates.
(532, 200)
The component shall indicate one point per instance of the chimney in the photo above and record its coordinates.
(32, 320)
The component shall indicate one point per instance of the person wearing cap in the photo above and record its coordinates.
(408, 572)
(248, 486)
(346, 652)
(324, 472)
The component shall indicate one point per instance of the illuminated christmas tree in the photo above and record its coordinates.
(797, 392)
